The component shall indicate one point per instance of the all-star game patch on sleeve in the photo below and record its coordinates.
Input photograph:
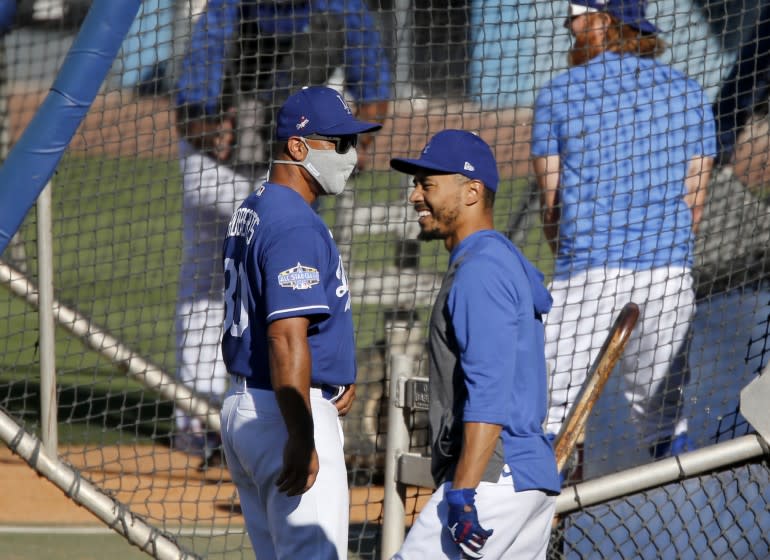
(296, 268)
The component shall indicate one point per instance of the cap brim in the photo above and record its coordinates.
(588, 7)
(647, 27)
(346, 128)
(414, 166)
(579, 9)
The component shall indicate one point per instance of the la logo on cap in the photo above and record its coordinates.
(303, 122)
(344, 105)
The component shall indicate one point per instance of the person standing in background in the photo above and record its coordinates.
(622, 148)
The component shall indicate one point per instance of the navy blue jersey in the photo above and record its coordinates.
(280, 261)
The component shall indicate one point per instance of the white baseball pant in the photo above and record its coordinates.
(584, 308)
(521, 522)
(212, 193)
(312, 525)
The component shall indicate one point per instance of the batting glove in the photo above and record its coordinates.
(463, 522)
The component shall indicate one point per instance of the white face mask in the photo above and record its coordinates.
(330, 169)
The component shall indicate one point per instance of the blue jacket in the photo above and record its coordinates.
(487, 361)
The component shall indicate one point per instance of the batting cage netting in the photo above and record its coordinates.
(111, 376)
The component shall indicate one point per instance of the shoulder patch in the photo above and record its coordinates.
(299, 277)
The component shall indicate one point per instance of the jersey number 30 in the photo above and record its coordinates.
(235, 277)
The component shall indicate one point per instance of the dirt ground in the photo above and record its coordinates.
(154, 482)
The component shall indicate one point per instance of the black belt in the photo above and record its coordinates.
(328, 390)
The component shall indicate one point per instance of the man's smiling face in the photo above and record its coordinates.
(437, 199)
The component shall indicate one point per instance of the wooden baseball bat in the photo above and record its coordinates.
(612, 349)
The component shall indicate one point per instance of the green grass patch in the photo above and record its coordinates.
(117, 247)
(68, 547)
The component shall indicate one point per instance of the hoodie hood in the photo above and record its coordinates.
(541, 297)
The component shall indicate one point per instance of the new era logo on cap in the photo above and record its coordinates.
(454, 151)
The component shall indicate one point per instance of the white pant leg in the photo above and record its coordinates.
(313, 525)
(199, 353)
(211, 194)
(583, 310)
(667, 306)
(585, 307)
(252, 507)
(521, 522)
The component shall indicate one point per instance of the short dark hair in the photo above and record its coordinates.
(488, 195)
(489, 198)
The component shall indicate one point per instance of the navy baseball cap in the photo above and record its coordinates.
(318, 110)
(454, 151)
(628, 12)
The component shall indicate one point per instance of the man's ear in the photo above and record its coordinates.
(295, 148)
(474, 192)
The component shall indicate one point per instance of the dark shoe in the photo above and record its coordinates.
(153, 82)
(191, 443)
(671, 448)
(215, 458)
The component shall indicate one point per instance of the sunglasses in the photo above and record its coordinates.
(342, 144)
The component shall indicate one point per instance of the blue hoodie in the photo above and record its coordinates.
(488, 362)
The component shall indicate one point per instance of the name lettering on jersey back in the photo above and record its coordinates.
(242, 224)
(299, 277)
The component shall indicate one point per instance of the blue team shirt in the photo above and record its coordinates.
(201, 81)
(625, 129)
(280, 261)
(493, 305)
